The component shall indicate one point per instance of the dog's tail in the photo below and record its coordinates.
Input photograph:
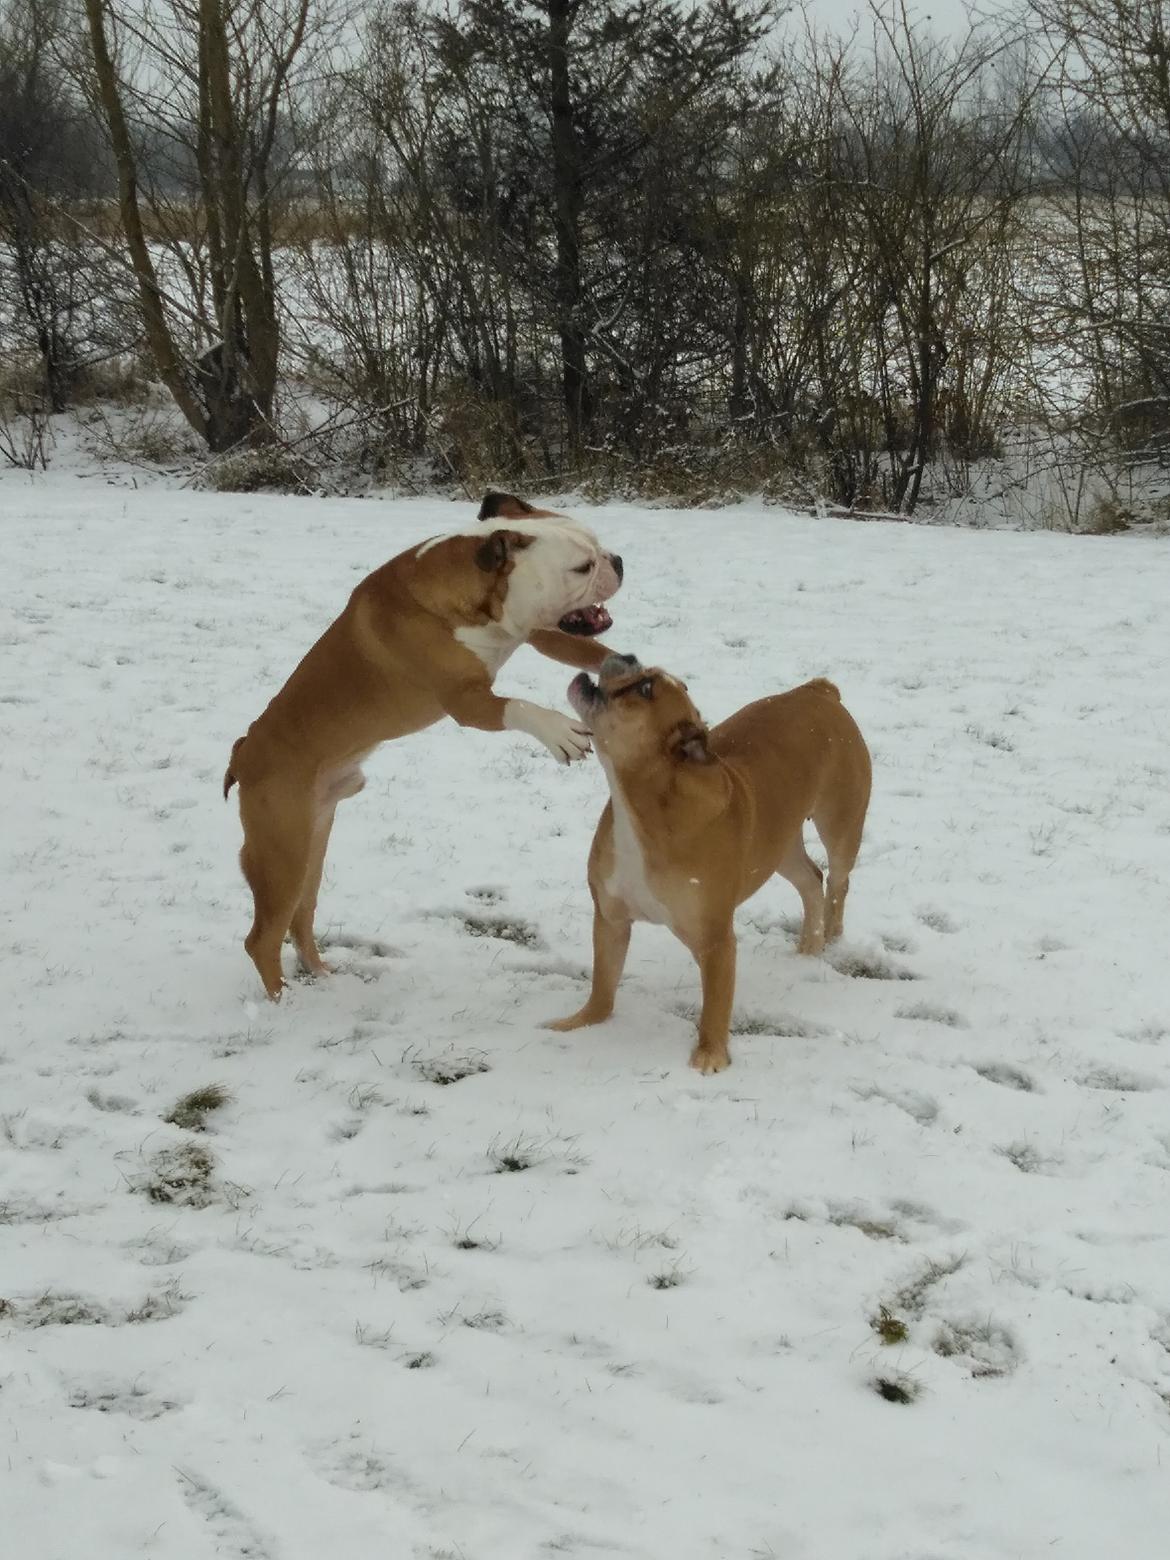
(229, 778)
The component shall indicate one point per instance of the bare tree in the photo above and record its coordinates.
(931, 163)
(196, 96)
(47, 158)
(1110, 157)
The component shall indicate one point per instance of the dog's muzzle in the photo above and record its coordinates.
(585, 695)
(595, 619)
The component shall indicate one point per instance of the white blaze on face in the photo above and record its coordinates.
(564, 569)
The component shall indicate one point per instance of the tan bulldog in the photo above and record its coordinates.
(421, 637)
(699, 820)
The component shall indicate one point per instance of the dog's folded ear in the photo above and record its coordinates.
(690, 744)
(503, 506)
(492, 555)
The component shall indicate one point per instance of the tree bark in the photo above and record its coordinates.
(577, 391)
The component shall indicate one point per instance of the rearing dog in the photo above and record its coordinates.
(421, 637)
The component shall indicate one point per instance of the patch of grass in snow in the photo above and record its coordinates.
(896, 1387)
(463, 1239)
(24, 1210)
(1005, 1075)
(113, 1103)
(486, 894)
(524, 1153)
(368, 945)
(992, 739)
(369, 1338)
(487, 1320)
(932, 1013)
(912, 1296)
(364, 1096)
(191, 1112)
(450, 1067)
(890, 1329)
(406, 1277)
(635, 1238)
(1151, 1033)
(894, 942)
(864, 964)
(183, 1175)
(844, 1217)
(1027, 1160)
(504, 928)
(668, 1278)
(65, 1308)
(985, 1347)
(919, 1107)
(134, 1401)
(1119, 1080)
(783, 1025)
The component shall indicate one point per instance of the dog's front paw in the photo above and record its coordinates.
(579, 1020)
(566, 739)
(706, 1060)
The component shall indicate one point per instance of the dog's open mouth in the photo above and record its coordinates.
(586, 620)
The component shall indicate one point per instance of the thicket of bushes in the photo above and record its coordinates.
(608, 244)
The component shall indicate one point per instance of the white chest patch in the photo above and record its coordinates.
(491, 643)
(627, 880)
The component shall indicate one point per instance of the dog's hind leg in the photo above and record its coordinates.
(278, 842)
(301, 926)
(840, 831)
(342, 785)
(805, 877)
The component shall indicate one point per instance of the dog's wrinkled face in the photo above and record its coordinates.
(558, 576)
(638, 713)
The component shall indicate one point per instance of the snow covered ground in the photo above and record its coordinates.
(436, 1283)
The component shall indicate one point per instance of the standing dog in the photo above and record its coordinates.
(422, 637)
(699, 820)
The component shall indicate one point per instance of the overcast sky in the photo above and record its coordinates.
(840, 16)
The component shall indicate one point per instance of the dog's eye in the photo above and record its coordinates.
(583, 568)
(646, 689)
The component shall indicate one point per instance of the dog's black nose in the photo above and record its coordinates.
(617, 565)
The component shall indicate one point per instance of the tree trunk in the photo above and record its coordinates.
(162, 345)
(578, 395)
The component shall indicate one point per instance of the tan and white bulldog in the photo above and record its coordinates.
(421, 637)
(698, 820)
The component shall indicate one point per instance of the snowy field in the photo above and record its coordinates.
(436, 1283)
